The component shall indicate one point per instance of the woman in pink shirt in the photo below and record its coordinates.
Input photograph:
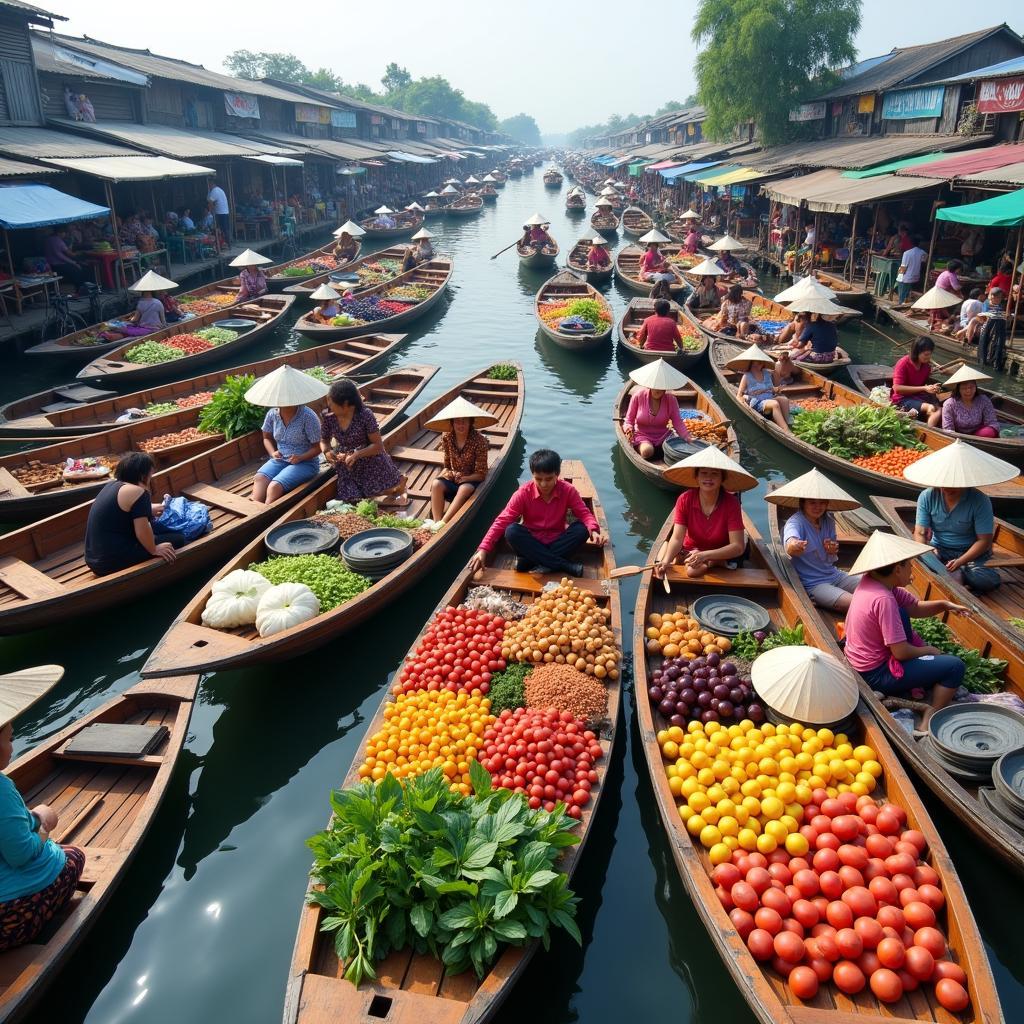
(911, 390)
(692, 240)
(880, 641)
(654, 266)
(652, 415)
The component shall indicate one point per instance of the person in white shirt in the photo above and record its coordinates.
(910, 270)
(217, 202)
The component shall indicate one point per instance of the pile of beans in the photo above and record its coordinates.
(348, 523)
(567, 689)
(565, 626)
(161, 441)
(199, 398)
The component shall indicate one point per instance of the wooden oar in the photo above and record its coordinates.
(635, 570)
(506, 249)
(889, 338)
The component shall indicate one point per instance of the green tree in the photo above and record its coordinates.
(521, 127)
(395, 79)
(285, 67)
(667, 108)
(479, 115)
(763, 57)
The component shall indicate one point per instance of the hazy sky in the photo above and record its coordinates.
(563, 63)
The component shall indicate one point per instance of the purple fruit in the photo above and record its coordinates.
(667, 708)
(715, 704)
(709, 716)
(714, 659)
(701, 673)
(679, 720)
(736, 695)
(700, 685)
(672, 673)
(728, 669)
(656, 694)
(725, 709)
(682, 708)
(701, 662)
(721, 691)
(760, 636)
(704, 699)
(656, 675)
(689, 694)
(755, 713)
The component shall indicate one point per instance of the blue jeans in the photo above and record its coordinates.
(553, 555)
(289, 475)
(918, 673)
(903, 290)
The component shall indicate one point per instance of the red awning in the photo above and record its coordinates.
(967, 163)
(663, 166)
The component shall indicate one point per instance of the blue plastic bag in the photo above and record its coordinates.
(189, 518)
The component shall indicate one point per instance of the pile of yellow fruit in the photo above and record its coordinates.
(426, 729)
(745, 787)
(675, 634)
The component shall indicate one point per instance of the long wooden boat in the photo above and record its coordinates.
(1009, 409)
(280, 281)
(307, 286)
(606, 223)
(435, 274)
(811, 385)
(564, 287)
(500, 179)
(264, 313)
(966, 801)
(575, 200)
(488, 192)
(766, 993)
(537, 259)
(916, 322)
(43, 575)
(414, 987)
(847, 294)
(465, 206)
(1000, 606)
(552, 179)
(106, 806)
(627, 270)
(407, 222)
(416, 452)
(689, 397)
(638, 310)
(576, 261)
(635, 222)
(77, 409)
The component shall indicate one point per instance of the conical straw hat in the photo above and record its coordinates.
(535, 220)
(960, 465)
(431, 194)
(422, 233)
(325, 291)
(609, 191)
(415, 206)
(603, 201)
(884, 549)
(963, 375)
(812, 486)
(750, 355)
(489, 177)
(350, 227)
(249, 259)
(727, 244)
(937, 298)
(690, 214)
(153, 282)
(804, 287)
(383, 209)
(818, 304)
(19, 690)
(472, 180)
(459, 409)
(598, 240)
(286, 386)
(734, 476)
(706, 268)
(805, 684)
(654, 235)
(449, 190)
(609, 181)
(659, 375)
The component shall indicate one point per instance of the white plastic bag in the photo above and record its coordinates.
(234, 599)
(284, 606)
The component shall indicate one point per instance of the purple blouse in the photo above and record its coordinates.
(967, 419)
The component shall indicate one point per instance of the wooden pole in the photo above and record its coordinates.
(1020, 281)
(871, 245)
(796, 239)
(117, 235)
(231, 203)
(931, 249)
(851, 259)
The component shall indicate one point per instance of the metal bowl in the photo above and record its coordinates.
(235, 324)
(976, 735)
(303, 537)
(1008, 776)
(727, 615)
(675, 449)
(343, 277)
(377, 549)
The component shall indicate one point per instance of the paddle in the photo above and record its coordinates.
(898, 344)
(635, 570)
(506, 249)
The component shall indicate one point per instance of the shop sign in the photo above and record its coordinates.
(239, 105)
(310, 113)
(343, 119)
(1002, 96)
(907, 104)
(808, 112)
(866, 103)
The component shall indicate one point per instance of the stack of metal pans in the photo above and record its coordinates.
(1007, 798)
(303, 537)
(375, 553)
(728, 615)
(967, 739)
(675, 449)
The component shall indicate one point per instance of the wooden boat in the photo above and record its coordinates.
(515, 171)
(468, 205)
(307, 287)
(811, 385)
(279, 281)
(416, 451)
(847, 294)
(537, 259)
(915, 321)
(552, 179)
(766, 309)
(688, 397)
(407, 222)
(434, 274)
(768, 996)
(106, 805)
(576, 261)
(966, 801)
(78, 409)
(638, 310)
(627, 270)
(500, 179)
(564, 287)
(635, 222)
(606, 223)
(575, 200)
(488, 192)
(265, 314)
(414, 987)
(1000, 606)
(43, 575)
(1009, 409)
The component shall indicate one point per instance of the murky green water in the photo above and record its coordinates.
(202, 927)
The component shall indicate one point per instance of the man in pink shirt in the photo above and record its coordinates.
(534, 522)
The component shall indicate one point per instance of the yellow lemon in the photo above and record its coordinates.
(684, 769)
(695, 824)
(691, 786)
(747, 839)
(699, 801)
(742, 815)
(873, 768)
(788, 765)
(827, 737)
(663, 736)
(686, 812)
(716, 794)
(732, 842)
(768, 766)
(867, 781)
(864, 753)
(706, 777)
(719, 853)
(711, 814)
(725, 806)
(709, 835)
(791, 823)
(804, 794)
(731, 785)
(676, 733)
(675, 784)
(796, 845)
(786, 792)
(751, 805)
(772, 808)
(766, 844)
(721, 769)
(670, 749)
(858, 788)
(728, 825)
(751, 788)
(838, 769)
(776, 830)
(844, 750)
(698, 759)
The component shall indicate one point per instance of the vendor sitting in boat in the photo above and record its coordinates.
(790, 334)
(122, 530)
(880, 641)
(534, 522)
(759, 387)
(809, 537)
(912, 391)
(705, 296)
(424, 250)
(328, 304)
(819, 341)
(598, 257)
(535, 235)
(692, 240)
(660, 332)
(708, 521)
(384, 218)
(465, 452)
(38, 876)
(149, 315)
(954, 516)
(653, 411)
(653, 265)
(351, 442)
(252, 282)
(733, 317)
(291, 431)
(346, 248)
(968, 410)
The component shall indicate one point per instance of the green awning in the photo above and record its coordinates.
(895, 165)
(1005, 211)
(638, 166)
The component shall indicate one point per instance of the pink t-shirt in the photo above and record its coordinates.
(544, 519)
(650, 427)
(705, 533)
(652, 261)
(873, 623)
(907, 374)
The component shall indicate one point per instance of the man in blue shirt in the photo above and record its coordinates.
(959, 523)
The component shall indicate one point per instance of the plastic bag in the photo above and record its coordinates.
(189, 518)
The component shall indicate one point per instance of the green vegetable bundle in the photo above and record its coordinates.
(320, 374)
(507, 687)
(217, 335)
(1017, 624)
(412, 864)
(503, 371)
(748, 645)
(304, 271)
(228, 412)
(149, 353)
(983, 675)
(325, 575)
(160, 408)
(853, 431)
(344, 321)
(588, 309)
(368, 510)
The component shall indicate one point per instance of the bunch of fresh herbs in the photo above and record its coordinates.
(228, 412)
(983, 675)
(853, 431)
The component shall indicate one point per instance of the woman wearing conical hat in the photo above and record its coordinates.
(465, 452)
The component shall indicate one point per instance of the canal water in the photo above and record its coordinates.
(202, 927)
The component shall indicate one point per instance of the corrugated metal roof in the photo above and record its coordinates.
(829, 192)
(1011, 174)
(165, 140)
(133, 168)
(35, 13)
(61, 60)
(907, 63)
(42, 143)
(15, 168)
(329, 148)
(968, 163)
(1013, 66)
(854, 154)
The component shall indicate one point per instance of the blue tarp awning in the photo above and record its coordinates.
(671, 173)
(410, 158)
(36, 206)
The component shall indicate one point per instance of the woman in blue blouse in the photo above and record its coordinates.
(37, 876)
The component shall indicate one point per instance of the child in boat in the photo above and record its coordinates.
(734, 316)
(970, 322)
(534, 522)
(759, 386)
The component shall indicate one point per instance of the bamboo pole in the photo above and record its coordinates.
(796, 240)
(1013, 274)
(931, 249)
(871, 245)
(851, 260)
(117, 235)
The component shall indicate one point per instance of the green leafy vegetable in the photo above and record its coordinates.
(217, 335)
(748, 645)
(320, 374)
(160, 408)
(853, 431)
(325, 575)
(300, 271)
(1017, 624)
(588, 309)
(228, 412)
(503, 371)
(983, 675)
(368, 510)
(149, 353)
(507, 687)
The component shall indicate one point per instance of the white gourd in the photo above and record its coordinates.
(234, 599)
(284, 606)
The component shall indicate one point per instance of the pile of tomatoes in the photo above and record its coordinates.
(860, 909)
(545, 754)
(459, 652)
(892, 462)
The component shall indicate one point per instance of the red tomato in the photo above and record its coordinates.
(876, 869)
(886, 985)
(851, 877)
(781, 966)
(759, 879)
(860, 901)
(891, 953)
(777, 900)
(931, 939)
(902, 882)
(780, 872)
(832, 808)
(745, 897)
(919, 915)
(831, 885)
(846, 827)
(806, 913)
(868, 962)
(868, 812)
(839, 915)
(849, 942)
(821, 967)
(932, 895)
(924, 874)
(761, 944)
(769, 920)
(909, 895)
(789, 947)
(793, 893)
(878, 846)
(919, 962)
(853, 856)
(827, 841)
(884, 891)
(948, 969)
(952, 995)
(807, 882)
(848, 977)
(900, 863)
(828, 947)
(819, 796)
(888, 821)
(909, 982)
(821, 823)
(803, 982)
(794, 926)
(798, 864)
(869, 930)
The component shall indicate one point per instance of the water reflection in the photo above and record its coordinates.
(581, 374)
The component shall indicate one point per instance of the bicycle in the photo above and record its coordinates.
(62, 320)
